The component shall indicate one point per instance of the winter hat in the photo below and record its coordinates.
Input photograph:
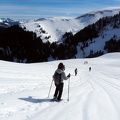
(61, 66)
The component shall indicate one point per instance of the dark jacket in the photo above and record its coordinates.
(63, 76)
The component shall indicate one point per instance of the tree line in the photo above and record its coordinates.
(19, 45)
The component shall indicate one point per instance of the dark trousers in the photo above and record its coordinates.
(58, 91)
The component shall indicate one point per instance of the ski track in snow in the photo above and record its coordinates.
(94, 95)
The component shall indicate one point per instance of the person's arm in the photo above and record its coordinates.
(53, 75)
(64, 76)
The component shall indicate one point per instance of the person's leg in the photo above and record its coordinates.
(56, 91)
(60, 91)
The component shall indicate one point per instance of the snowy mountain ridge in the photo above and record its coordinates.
(55, 27)
(52, 29)
(7, 22)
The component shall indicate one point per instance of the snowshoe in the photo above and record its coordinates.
(59, 100)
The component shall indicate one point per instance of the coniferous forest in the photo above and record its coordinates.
(19, 45)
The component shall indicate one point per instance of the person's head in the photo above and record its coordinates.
(61, 66)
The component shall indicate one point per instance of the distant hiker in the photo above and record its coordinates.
(58, 77)
(89, 69)
(85, 62)
(76, 71)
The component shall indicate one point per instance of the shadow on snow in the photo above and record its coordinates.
(33, 100)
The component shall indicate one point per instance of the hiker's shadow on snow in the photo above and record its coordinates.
(33, 100)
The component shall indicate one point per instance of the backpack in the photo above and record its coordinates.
(57, 78)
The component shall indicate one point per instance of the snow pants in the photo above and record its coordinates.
(58, 91)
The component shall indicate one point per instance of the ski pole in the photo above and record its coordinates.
(50, 88)
(68, 88)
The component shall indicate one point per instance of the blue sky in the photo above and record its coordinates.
(34, 9)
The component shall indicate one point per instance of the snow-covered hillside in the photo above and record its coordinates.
(94, 16)
(94, 95)
(7, 22)
(54, 28)
(99, 42)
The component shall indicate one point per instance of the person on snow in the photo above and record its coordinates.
(89, 68)
(59, 82)
(76, 71)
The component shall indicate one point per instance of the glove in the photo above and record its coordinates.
(68, 75)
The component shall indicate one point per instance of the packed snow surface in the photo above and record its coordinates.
(93, 95)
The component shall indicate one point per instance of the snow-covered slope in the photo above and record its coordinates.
(94, 95)
(54, 28)
(7, 22)
(94, 16)
(99, 42)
